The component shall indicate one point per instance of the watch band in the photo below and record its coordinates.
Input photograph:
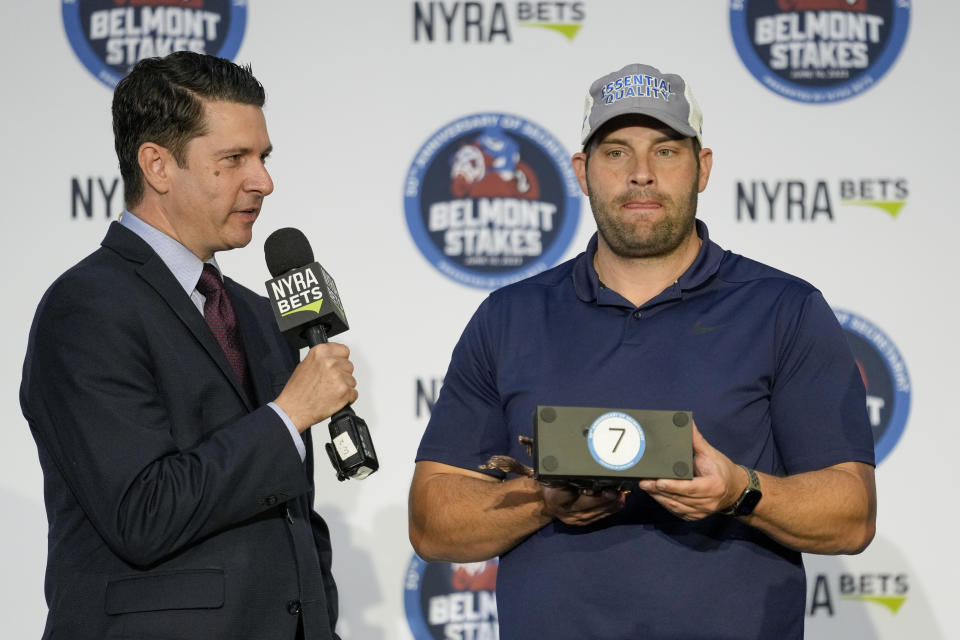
(749, 498)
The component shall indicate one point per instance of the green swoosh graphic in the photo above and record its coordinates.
(313, 306)
(892, 207)
(568, 30)
(890, 602)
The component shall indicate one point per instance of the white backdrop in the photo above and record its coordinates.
(352, 97)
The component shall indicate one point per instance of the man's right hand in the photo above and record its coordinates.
(579, 507)
(460, 515)
(321, 385)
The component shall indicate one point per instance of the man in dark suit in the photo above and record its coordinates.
(170, 416)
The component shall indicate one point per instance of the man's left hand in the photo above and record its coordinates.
(716, 484)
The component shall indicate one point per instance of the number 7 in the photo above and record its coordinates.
(622, 431)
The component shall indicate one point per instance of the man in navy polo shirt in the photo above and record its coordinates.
(653, 315)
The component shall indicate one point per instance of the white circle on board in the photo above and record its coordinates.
(616, 440)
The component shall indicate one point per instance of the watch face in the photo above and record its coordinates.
(748, 502)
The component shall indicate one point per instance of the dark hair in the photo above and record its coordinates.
(624, 121)
(161, 101)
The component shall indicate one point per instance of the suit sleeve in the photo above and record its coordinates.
(92, 397)
(321, 539)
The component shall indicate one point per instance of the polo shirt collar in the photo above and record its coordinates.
(586, 283)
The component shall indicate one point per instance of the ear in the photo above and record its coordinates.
(579, 162)
(706, 164)
(155, 162)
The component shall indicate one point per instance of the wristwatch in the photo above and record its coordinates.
(748, 500)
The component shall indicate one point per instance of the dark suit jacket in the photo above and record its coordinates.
(178, 508)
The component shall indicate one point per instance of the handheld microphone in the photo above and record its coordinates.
(308, 310)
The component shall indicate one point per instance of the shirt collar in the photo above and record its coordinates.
(587, 285)
(183, 264)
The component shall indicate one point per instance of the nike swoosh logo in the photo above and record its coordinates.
(699, 328)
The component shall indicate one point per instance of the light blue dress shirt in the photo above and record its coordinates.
(186, 268)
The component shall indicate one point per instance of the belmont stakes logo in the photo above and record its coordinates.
(884, 374)
(110, 36)
(819, 50)
(444, 600)
(490, 199)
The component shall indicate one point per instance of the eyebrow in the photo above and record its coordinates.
(661, 139)
(229, 151)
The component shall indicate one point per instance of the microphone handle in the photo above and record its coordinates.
(346, 423)
(315, 334)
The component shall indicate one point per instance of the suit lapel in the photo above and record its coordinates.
(270, 358)
(252, 334)
(156, 274)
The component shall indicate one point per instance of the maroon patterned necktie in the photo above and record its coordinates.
(218, 312)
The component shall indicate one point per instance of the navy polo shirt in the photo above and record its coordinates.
(754, 353)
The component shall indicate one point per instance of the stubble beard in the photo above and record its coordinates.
(629, 241)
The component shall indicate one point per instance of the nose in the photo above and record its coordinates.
(259, 180)
(640, 172)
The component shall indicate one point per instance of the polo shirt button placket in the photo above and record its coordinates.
(637, 314)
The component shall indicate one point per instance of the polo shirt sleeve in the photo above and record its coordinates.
(818, 401)
(467, 425)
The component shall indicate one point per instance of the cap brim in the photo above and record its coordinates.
(680, 126)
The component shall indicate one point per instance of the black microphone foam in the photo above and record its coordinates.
(286, 249)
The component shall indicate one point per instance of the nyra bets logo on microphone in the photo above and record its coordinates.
(490, 199)
(444, 600)
(884, 374)
(819, 50)
(110, 36)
